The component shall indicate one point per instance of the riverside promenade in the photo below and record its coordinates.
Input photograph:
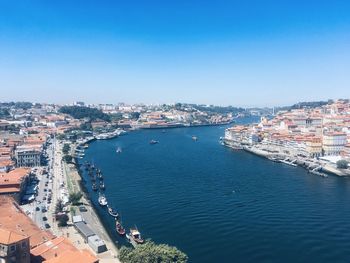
(307, 163)
(67, 175)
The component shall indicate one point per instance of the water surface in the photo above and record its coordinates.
(222, 205)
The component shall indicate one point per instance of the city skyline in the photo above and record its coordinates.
(256, 54)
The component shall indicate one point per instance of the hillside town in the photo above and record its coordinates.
(317, 138)
(40, 220)
(39, 177)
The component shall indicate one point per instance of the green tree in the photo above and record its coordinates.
(152, 253)
(67, 158)
(59, 206)
(80, 112)
(66, 148)
(342, 164)
(62, 220)
(74, 198)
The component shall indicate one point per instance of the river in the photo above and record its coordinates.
(221, 205)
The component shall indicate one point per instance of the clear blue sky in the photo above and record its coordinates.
(245, 53)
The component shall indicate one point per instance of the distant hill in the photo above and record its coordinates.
(305, 104)
(80, 112)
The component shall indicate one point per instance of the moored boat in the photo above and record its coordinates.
(112, 211)
(94, 187)
(135, 236)
(102, 200)
(119, 228)
(102, 185)
(119, 150)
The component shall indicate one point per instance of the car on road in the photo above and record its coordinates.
(82, 208)
(47, 225)
(37, 208)
(44, 218)
(43, 209)
(44, 198)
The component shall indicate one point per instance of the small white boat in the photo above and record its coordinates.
(112, 212)
(102, 200)
(119, 150)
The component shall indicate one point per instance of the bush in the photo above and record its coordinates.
(152, 253)
(67, 158)
(74, 198)
(66, 148)
(59, 206)
(62, 220)
(342, 164)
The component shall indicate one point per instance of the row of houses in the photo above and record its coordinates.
(318, 132)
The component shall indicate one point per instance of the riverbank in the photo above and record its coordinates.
(311, 165)
(75, 183)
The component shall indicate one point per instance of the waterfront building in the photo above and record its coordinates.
(333, 142)
(314, 147)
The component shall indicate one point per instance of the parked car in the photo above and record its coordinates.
(47, 225)
(82, 208)
(44, 218)
(37, 208)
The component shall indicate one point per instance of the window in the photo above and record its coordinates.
(13, 248)
(24, 244)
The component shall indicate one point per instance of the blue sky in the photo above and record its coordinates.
(244, 53)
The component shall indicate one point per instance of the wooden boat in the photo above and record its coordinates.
(112, 212)
(119, 228)
(135, 236)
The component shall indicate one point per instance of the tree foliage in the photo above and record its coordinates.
(342, 164)
(74, 198)
(67, 158)
(17, 105)
(152, 253)
(79, 112)
(59, 206)
(62, 220)
(4, 113)
(66, 148)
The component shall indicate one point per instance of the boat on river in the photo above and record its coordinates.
(102, 200)
(112, 211)
(119, 228)
(119, 150)
(134, 237)
(195, 138)
(153, 142)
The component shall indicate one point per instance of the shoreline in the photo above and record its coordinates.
(300, 163)
(91, 217)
